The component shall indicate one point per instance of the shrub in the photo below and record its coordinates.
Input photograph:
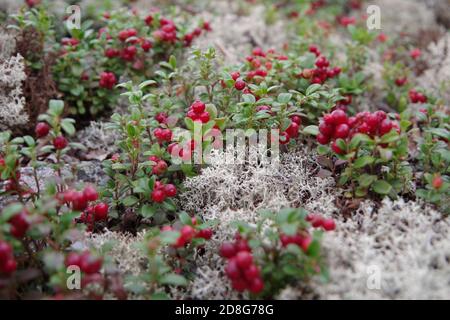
(281, 249)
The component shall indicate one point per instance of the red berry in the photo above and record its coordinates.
(42, 129)
(338, 117)
(257, 286)
(8, 267)
(73, 259)
(284, 138)
(296, 119)
(323, 139)
(292, 130)
(160, 167)
(79, 202)
(385, 127)
(158, 196)
(326, 129)
(239, 85)
(170, 190)
(437, 182)
(341, 131)
(101, 211)
(204, 117)
(239, 285)
(227, 250)
(90, 193)
(232, 269)
(252, 272)
(242, 245)
(329, 120)
(235, 75)
(244, 259)
(19, 225)
(90, 264)
(187, 233)
(60, 143)
(329, 224)
(336, 149)
(198, 107)
(5, 251)
(107, 80)
(205, 234)
(146, 45)
(306, 242)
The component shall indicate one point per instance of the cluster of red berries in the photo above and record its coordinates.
(346, 21)
(87, 262)
(79, 200)
(292, 131)
(167, 31)
(417, 97)
(188, 233)
(197, 112)
(303, 239)
(323, 71)
(184, 150)
(162, 117)
(241, 269)
(19, 224)
(70, 42)
(43, 129)
(160, 165)
(163, 135)
(337, 125)
(107, 80)
(189, 37)
(162, 191)
(7, 262)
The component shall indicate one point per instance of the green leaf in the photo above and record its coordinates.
(366, 180)
(189, 123)
(130, 201)
(68, 127)
(363, 161)
(312, 88)
(185, 218)
(381, 187)
(249, 98)
(389, 137)
(312, 130)
(146, 83)
(29, 141)
(169, 237)
(10, 211)
(56, 107)
(212, 110)
(173, 279)
(173, 62)
(147, 211)
(284, 98)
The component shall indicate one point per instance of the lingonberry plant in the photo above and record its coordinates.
(281, 249)
(140, 178)
(91, 62)
(434, 156)
(39, 225)
(373, 146)
(170, 252)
